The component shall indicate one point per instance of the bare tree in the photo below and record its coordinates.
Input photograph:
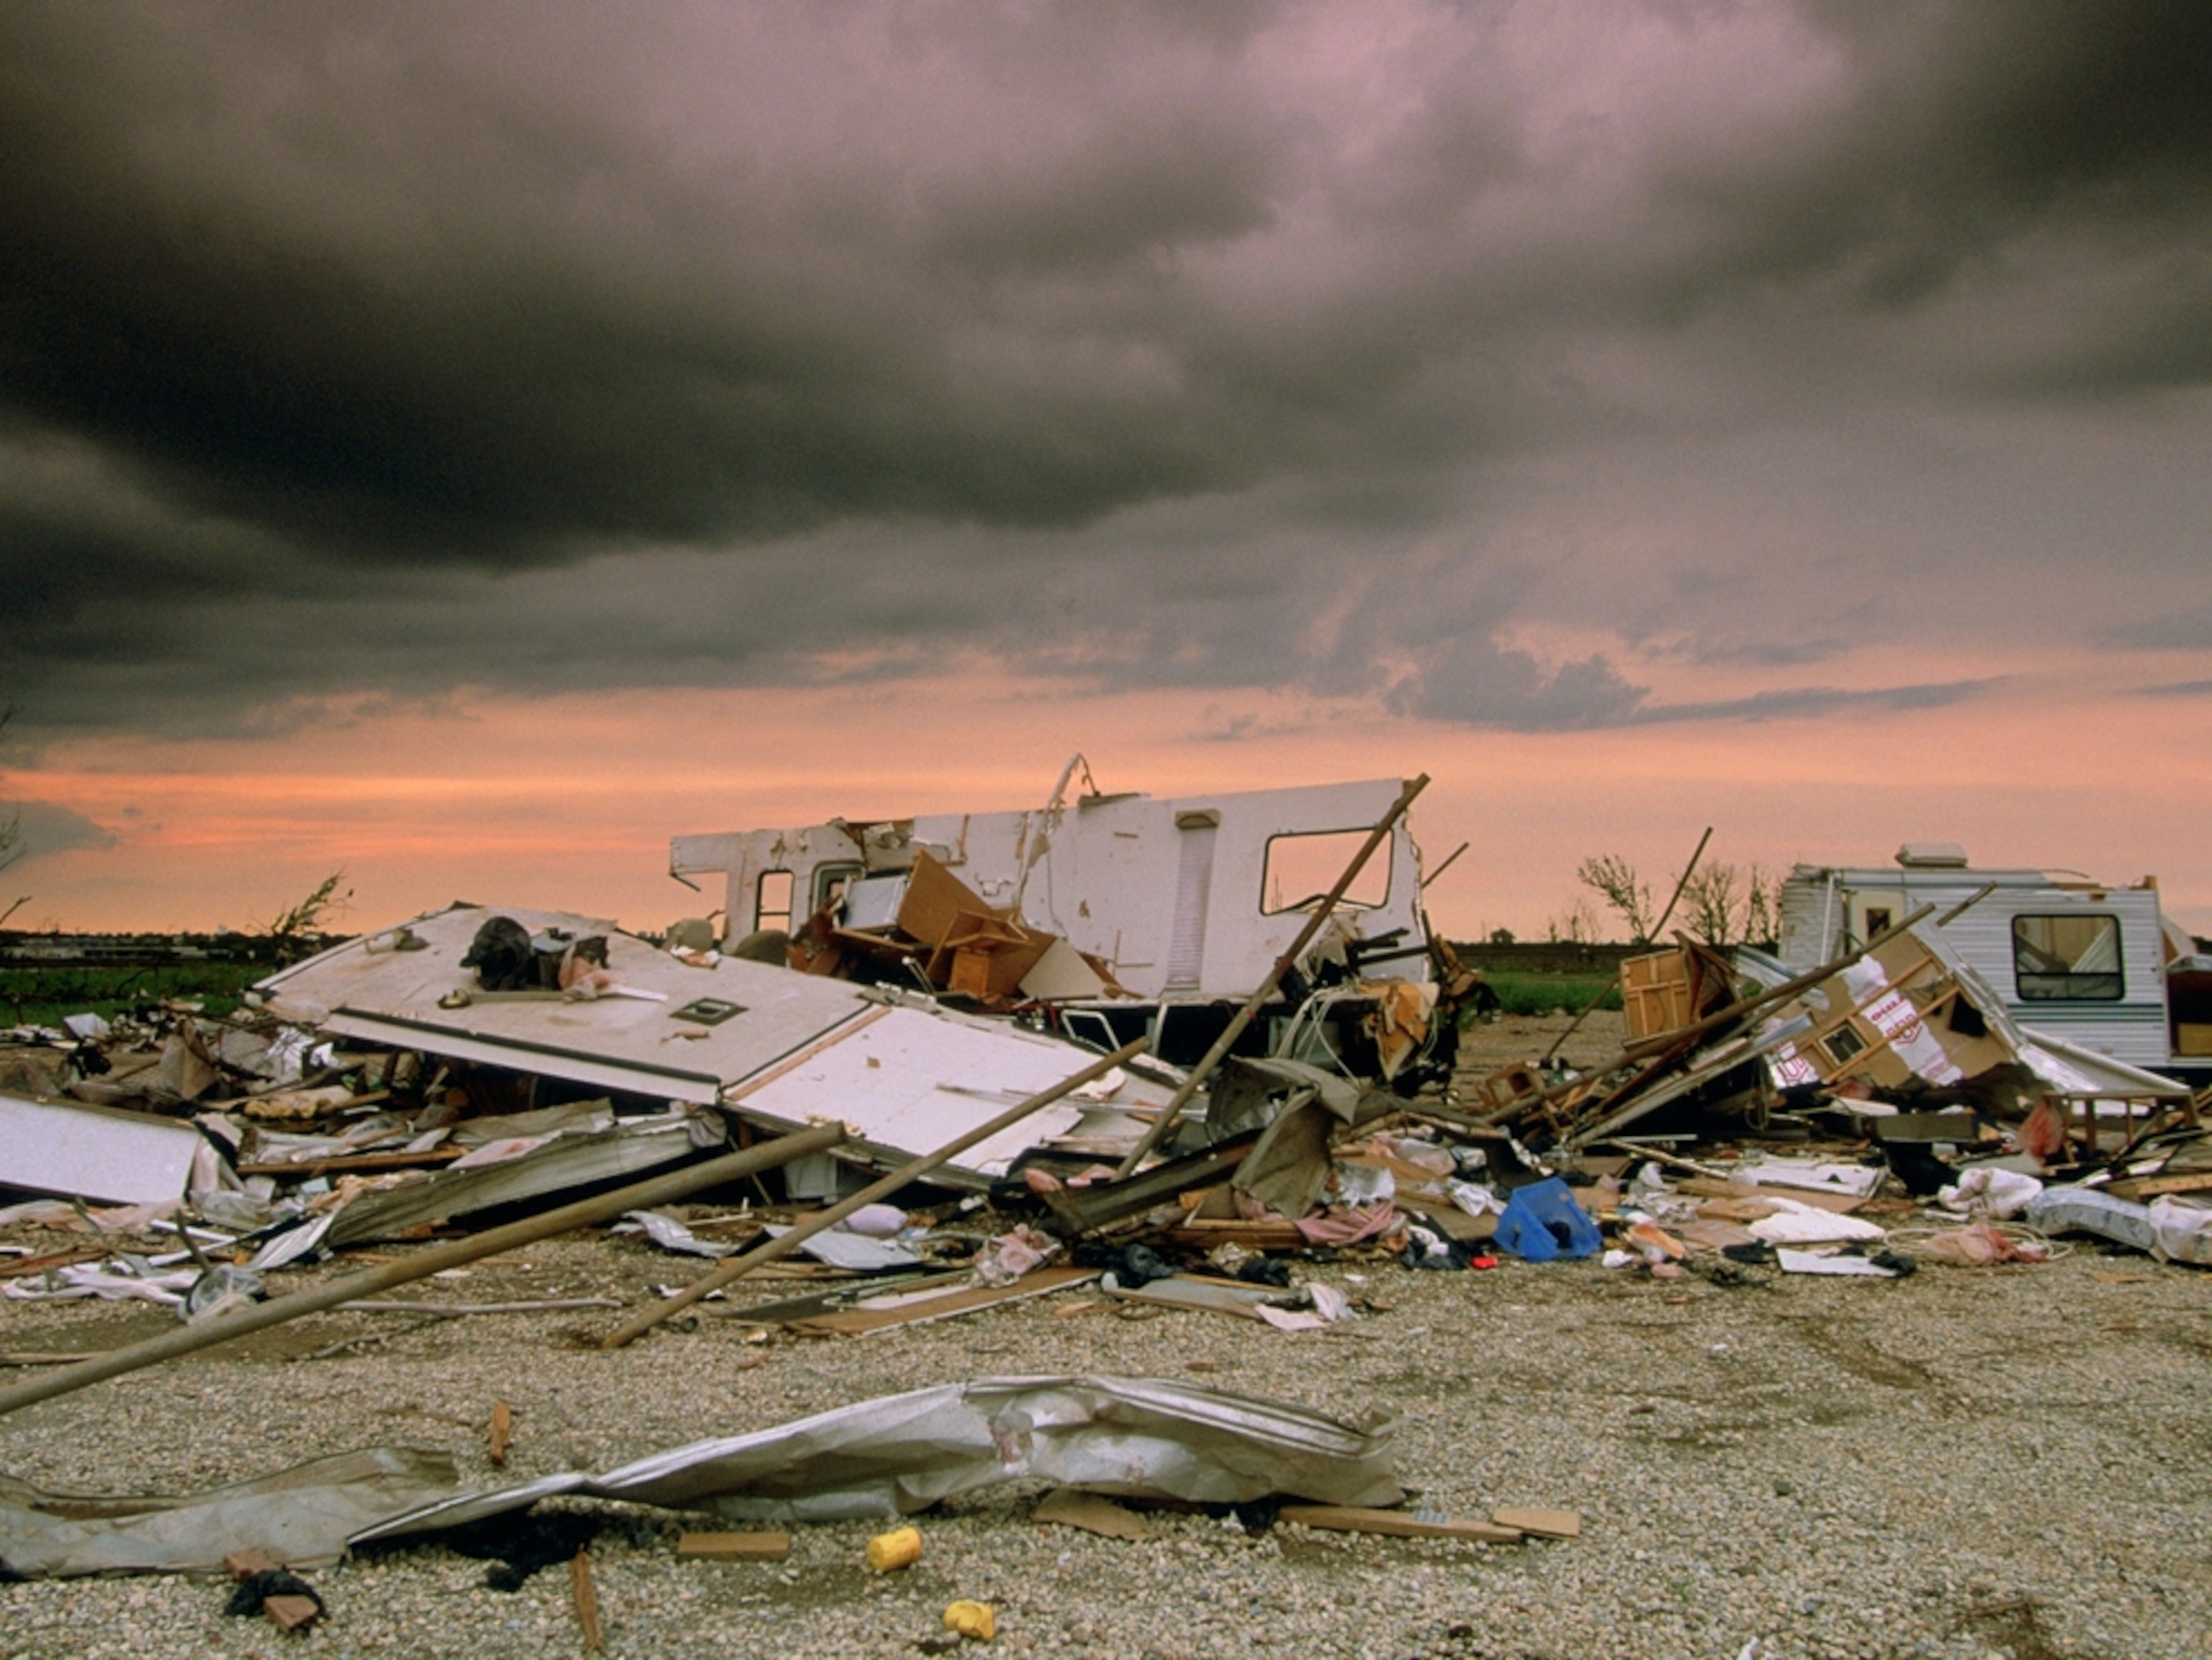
(1711, 898)
(1762, 907)
(1615, 882)
(1575, 925)
(1731, 905)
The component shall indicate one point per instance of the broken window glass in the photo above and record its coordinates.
(1302, 868)
(2067, 959)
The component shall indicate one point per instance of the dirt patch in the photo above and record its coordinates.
(1850, 1351)
(2015, 1626)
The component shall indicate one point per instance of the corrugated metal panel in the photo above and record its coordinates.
(1809, 905)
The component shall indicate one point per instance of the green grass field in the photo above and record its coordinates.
(1522, 993)
(41, 996)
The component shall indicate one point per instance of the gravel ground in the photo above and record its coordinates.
(1965, 1463)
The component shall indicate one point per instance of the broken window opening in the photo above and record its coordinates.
(830, 883)
(1302, 867)
(2064, 958)
(1841, 1045)
(772, 901)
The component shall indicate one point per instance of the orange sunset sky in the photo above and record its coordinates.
(465, 446)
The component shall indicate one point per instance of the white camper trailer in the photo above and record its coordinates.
(1181, 906)
(2098, 966)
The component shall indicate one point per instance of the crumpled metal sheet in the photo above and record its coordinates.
(1134, 1437)
(299, 1516)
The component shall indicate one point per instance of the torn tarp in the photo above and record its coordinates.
(298, 1516)
(1132, 1436)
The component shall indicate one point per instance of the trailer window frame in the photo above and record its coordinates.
(2046, 965)
(772, 909)
(1293, 862)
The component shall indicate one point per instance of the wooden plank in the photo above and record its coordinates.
(1548, 1523)
(2149, 1187)
(733, 1546)
(1253, 1236)
(19, 1268)
(859, 1322)
(1395, 1524)
(1093, 1514)
(587, 1603)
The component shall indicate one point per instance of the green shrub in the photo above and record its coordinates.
(41, 996)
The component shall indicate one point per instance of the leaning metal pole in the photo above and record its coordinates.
(585, 1212)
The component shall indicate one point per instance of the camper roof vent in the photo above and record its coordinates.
(1932, 856)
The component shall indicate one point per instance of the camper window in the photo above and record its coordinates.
(2067, 959)
(772, 901)
(1301, 868)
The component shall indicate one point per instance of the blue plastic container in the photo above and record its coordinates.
(1542, 1222)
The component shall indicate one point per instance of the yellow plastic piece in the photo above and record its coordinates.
(899, 1548)
(973, 1620)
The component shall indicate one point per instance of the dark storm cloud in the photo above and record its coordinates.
(1795, 701)
(45, 826)
(365, 348)
(2180, 688)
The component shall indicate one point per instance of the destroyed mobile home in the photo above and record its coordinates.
(908, 1099)
(1108, 917)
